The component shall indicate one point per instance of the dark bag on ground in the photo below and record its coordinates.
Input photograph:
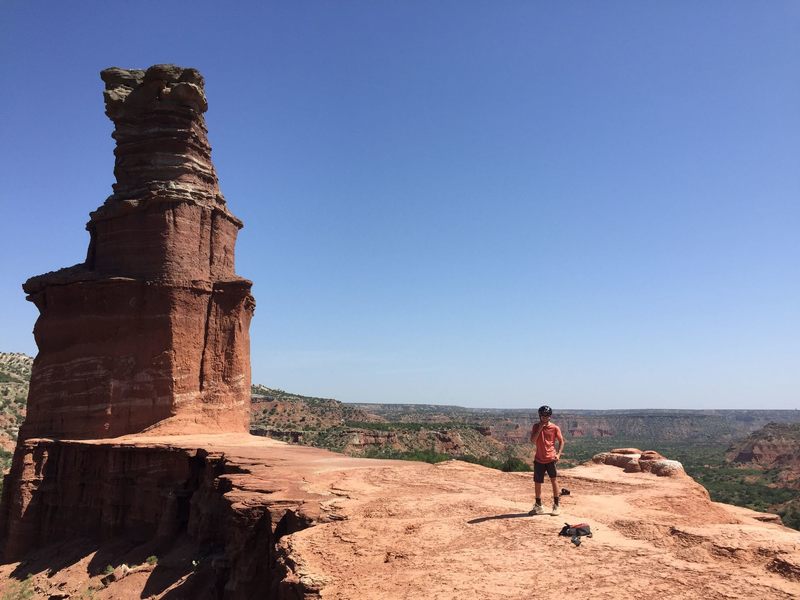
(576, 530)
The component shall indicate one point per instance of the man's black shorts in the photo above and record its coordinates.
(539, 469)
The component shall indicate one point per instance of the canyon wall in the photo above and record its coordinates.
(152, 497)
(776, 447)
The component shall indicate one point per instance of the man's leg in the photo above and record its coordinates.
(551, 471)
(538, 480)
(554, 482)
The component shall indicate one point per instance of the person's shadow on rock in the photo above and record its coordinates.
(494, 517)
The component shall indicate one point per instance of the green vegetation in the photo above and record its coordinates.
(790, 514)
(428, 456)
(510, 463)
(404, 426)
(513, 463)
(262, 391)
(694, 456)
(14, 375)
(20, 590)
(88, 593)
(152, 560)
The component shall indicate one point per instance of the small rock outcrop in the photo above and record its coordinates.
(153, 328)
(633, 460)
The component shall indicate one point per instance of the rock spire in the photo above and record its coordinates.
(152, 330)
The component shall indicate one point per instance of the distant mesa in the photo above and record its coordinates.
(153, 328)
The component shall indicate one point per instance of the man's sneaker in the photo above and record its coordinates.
(536, 510)
(555, 510)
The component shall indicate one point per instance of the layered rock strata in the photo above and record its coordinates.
(223, 501)
(153, 328)
(775, 446)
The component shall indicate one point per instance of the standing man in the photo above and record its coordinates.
(544, 436)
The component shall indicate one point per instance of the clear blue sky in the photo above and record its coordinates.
(588, 204)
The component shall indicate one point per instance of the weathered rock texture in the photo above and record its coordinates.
(153, 328)
(214, 505)
(633, 460)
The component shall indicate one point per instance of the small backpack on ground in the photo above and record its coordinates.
(578, 530)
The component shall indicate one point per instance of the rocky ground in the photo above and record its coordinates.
(458, 531)
(390, 529)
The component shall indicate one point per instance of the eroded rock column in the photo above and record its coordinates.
(152, 330)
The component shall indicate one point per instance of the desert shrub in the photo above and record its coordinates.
(512, 463)
(20, 590)
(409, 426)
(791, 516)
(431, 456)
(428, 456)
(484, 461)
(88, 593)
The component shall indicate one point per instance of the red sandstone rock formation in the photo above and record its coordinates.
(221, 498)
(775, 446)
(153, 328)
(633, 460)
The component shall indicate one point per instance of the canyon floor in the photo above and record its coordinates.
(397, 529)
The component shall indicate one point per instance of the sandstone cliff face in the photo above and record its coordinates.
(153, 328)
(776, 446)
(148, 496)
